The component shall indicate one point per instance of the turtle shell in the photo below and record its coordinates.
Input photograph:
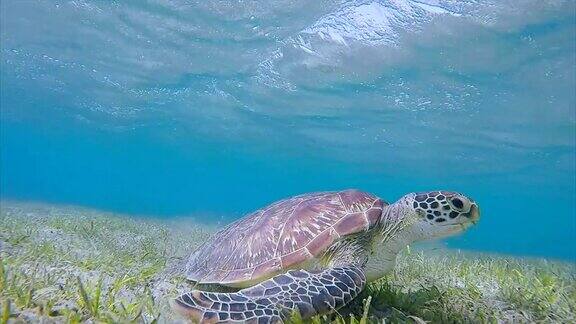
(281, 236)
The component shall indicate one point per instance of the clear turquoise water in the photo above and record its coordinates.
(208, 108)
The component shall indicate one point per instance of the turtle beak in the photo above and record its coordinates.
(473, 214)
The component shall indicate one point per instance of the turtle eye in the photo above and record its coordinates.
(457, 203)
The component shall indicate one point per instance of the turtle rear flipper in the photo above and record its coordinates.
(275, 299)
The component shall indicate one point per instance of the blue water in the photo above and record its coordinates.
(218, 108)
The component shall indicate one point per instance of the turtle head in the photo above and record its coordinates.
(420, 216)
(440, 213)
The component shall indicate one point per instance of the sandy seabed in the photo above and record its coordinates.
(71, 264)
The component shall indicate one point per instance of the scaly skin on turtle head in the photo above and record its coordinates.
(434, 214)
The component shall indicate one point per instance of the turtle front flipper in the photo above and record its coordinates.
(207, 307)
(275, 299)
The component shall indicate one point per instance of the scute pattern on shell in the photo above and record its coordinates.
(282, 235)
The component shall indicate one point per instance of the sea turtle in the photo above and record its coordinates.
(311, 253)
